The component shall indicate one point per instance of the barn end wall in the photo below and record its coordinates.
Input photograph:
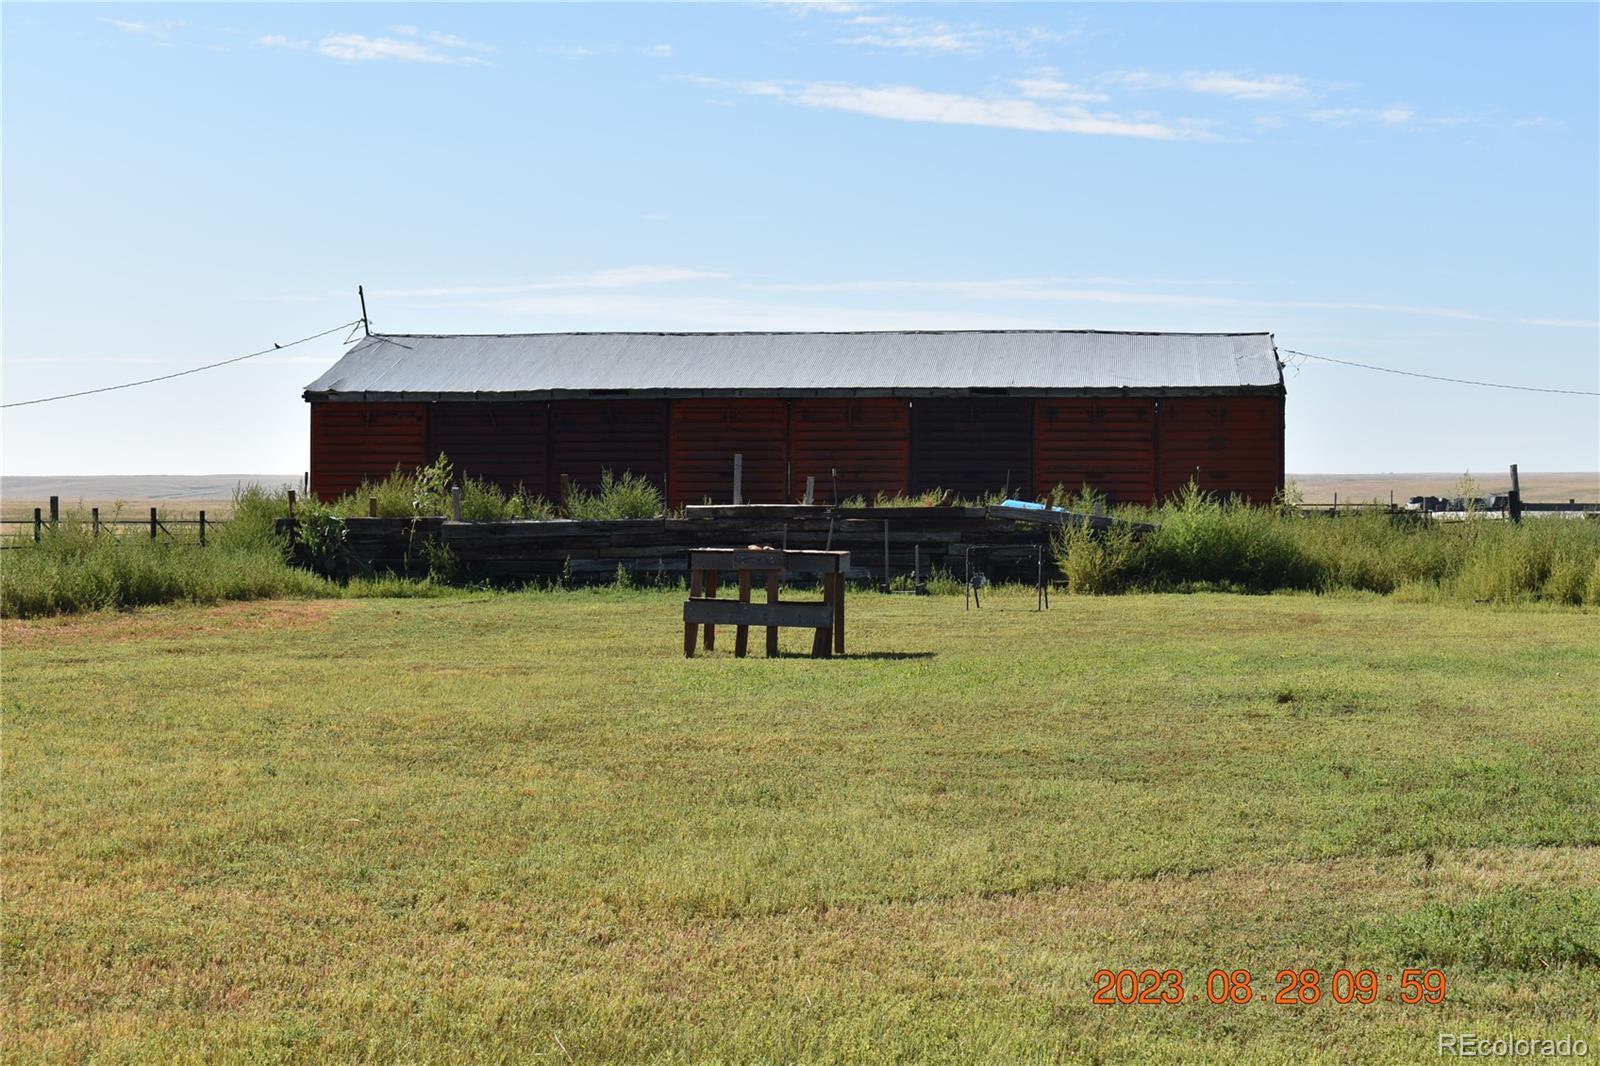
(1134, 449)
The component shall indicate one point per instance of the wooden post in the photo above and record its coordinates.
(834, 472)
(738, 478)
(1516, 495)
(838, 612)
(455, 503)
(811, 490)
(566, 491)
(774, 577)
(711, 593)
(55, 511)
(690, 629)
(202, 529)
(294, 533)
(38, 524)
(741, 634)
(94, 518)
(886, 555)
(372, 507)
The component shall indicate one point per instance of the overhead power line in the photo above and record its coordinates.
(182, 373)
(1437, 377)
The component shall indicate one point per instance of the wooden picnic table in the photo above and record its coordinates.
(703, 608)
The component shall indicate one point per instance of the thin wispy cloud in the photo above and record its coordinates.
(444, 40)
(1393, 115)
(585, 51)
(1232, 84)
(1045, 85)
(883, 27)
(1052, 290)
(159, 31)
(907, 103)
(614, 278)
(408, 45)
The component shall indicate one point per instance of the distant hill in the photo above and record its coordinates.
(1537, 487)
(186, 492)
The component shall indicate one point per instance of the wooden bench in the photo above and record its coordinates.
(707, 565)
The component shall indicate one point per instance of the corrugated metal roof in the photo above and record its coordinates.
(1022, 362)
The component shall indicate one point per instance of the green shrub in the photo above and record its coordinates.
(1096, 562)
(620, 496)
(1204, 542)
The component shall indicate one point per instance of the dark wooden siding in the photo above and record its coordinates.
(1105, 443)
(504, 443)
(356, 442)
(1227, 444)
(971, 445)
(868, 441)
(588, 436)
(705, 436)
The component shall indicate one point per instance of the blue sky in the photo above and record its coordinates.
(1410, 186)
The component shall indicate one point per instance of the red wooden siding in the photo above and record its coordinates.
(705, 436)
(503, 443)
(356, 442)
(971, 445)
(1227, 444)
(868, 441)
(588, 436)
(1107, 443)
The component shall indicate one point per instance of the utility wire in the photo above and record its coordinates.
(181, 373)
(1436, 377)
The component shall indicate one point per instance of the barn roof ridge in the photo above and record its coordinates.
(841, 333)
(532, 366)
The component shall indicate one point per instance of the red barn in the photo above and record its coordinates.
(1133, 415)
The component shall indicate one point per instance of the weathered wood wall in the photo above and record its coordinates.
(583, 551)
(1134, 449)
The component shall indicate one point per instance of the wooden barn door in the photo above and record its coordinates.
(591, 436)
(1107, 443)
(705, 436)
(505, 444)
(1229, 445)
(972, 445)
(868, 441)
(356, 442)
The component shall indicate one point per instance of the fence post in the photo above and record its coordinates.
(38, 522)
(1516, 495)
(886, 555)
(202, 529)
(455, 503)
(566, 491)
(293, 530)
(94, 517)
(738, 478)
(55, 511)
(372, 507)
(811, 490)
(153, 523)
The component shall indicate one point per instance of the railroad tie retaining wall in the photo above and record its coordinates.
(592, 551)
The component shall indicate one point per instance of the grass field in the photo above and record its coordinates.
(523, 828)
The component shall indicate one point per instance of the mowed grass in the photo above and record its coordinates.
(523, 827)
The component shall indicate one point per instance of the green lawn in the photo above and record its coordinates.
(525, 828)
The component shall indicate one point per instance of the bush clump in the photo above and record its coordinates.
(1201, 541)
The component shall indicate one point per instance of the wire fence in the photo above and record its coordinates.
(50, 523)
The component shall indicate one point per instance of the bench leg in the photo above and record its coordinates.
(772, 597)
(838, 614)
(691, 630)
(711, 593)
(741, 634)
